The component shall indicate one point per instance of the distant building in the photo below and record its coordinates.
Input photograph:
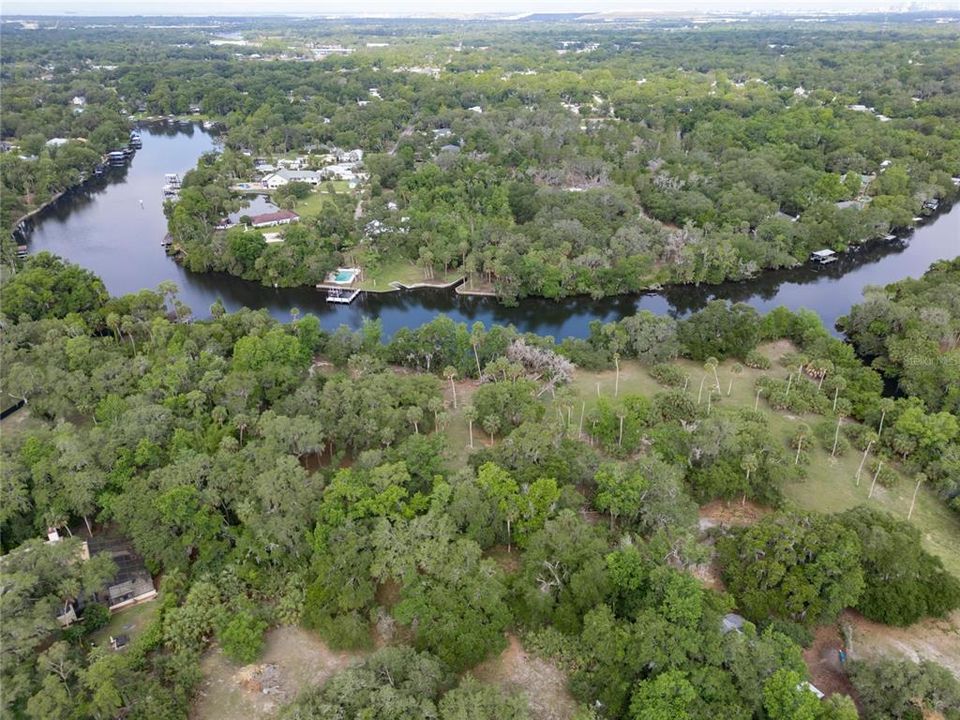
(280, 217)
(284, 177)
(57, 142)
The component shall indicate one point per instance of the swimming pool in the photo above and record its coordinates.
(344, 276)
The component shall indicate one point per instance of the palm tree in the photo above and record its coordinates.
(414, 416)
(735, 369)
(836, 436)
(863, 460)
(435, 405)
(616, 384)
(750, 463)
(621, 413)
(711, 364)
(802, 432)
(450, 372)
(491, 423)
(920, 478)
(470, 414)
(477, 334)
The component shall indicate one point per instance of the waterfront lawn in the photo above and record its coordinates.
(400, 270)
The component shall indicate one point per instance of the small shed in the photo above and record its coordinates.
(732, 623)
(823, 257)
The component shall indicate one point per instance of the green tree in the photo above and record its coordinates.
(242, 637)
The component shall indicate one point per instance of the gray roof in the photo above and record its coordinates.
(294, 175)
(732, 622)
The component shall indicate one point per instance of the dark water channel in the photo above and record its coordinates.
(103, 227)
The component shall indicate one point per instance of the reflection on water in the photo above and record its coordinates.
(103, 227)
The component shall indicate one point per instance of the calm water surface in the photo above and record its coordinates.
(104, 228)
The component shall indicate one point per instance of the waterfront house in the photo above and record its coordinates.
(280, 217)
(823, 257)
(283, 177)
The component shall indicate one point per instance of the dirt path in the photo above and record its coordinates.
(543, 683)
(930, 639)
(292, 660)
(823, 662)
(937, 640)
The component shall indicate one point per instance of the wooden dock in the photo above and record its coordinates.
(338, 294)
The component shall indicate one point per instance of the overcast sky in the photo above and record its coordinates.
(432, 7)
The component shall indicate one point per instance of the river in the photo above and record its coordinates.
(104, 228)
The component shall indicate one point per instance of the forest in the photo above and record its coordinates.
(274, 474)
(718, 514)
(549, 161)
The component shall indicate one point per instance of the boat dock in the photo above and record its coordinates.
(824, 257)
(341, 285)
(341, 295)
(171, 187)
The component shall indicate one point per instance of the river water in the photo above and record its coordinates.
(104, 228)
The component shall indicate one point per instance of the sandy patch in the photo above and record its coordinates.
(293, 659)
(731, 513)
(930, 639)
(544, 685)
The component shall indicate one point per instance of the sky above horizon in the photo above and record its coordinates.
(431, 7)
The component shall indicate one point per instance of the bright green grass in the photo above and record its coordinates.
(830, 484)
(129, 622)
(399, 270)
(312, 204)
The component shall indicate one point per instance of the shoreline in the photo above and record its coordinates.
(28, 217)
(459, 284)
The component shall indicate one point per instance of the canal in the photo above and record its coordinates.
(105, 228)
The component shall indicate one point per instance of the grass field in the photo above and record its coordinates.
(129, 622)
(401, 271)
(830, 484)
(314, 203)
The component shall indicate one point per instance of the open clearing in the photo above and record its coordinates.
(830, 483)
(130, 622)
(293, 659)
(543, 684)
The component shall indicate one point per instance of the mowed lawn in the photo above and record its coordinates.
(402, 271)
(830, 485)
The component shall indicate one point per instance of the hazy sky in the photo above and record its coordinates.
(432, 7)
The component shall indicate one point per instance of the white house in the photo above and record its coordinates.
(282, 177)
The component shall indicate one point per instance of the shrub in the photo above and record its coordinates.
(95, 616)
(242, 637)
(757, 360)
(669, 375)
(799, 396)
(825, 433)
